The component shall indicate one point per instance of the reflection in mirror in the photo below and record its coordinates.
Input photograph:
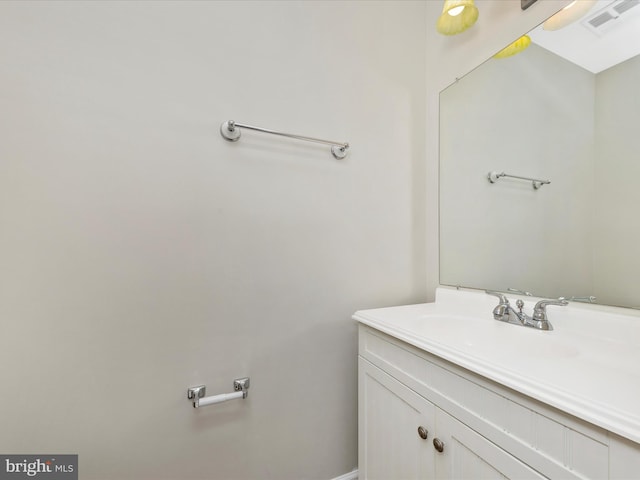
(546, 114)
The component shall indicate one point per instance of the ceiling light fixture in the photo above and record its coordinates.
(569, 14)
(457, 16)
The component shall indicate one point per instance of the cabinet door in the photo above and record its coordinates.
(468, 455)
(389, 414)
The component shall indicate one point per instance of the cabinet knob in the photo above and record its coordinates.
(438, 444)
(422, 432)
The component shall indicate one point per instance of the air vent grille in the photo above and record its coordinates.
(626, 5)
(601, 19)
(601, 22)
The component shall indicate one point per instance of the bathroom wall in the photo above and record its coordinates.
(617, 196)
(509, 116)
(500, 22)
(142, 254)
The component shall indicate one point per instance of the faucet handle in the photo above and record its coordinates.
(540, 309)
(500, 295)
(501, 312)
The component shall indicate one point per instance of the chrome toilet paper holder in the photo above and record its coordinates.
(197, 394)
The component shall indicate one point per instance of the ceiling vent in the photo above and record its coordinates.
(625, 5)
(611, 16)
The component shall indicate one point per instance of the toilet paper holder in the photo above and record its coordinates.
(197, 394)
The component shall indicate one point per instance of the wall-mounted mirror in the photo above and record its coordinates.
(558, 111)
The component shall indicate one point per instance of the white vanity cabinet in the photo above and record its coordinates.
(396, 428)
(487, 430)
(404, 436)
(468, 455)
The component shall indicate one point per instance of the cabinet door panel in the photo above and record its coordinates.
(390, 447)
(467, 455)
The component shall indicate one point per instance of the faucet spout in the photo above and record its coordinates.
(517, 317)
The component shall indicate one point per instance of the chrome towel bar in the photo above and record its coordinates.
(231, 131)
(494, 176)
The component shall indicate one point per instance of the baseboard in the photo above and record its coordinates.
(348, 476)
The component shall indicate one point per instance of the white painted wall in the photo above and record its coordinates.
(500, 22)
(141, 253)
(509, 116)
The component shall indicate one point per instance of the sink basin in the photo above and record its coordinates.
(482, 336)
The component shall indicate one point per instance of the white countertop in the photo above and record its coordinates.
(588, 366)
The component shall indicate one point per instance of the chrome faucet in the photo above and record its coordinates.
(504, 312)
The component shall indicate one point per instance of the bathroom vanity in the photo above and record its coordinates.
(446, 391)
